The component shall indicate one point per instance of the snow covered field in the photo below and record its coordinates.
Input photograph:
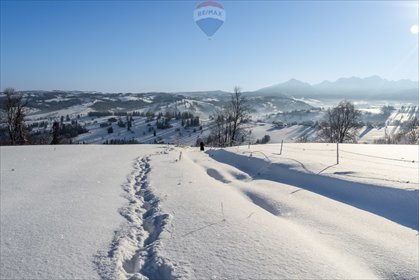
(59, 206)
(162, 212)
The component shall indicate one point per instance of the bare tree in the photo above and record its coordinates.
(411, 131)
(15, 115)
(238, 113)
(341, 123)
(228, 123)
(219, 133)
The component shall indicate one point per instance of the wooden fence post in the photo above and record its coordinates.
(337, 153)
(282, 143)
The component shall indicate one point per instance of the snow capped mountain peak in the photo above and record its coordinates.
(295, 82)
(287, 87)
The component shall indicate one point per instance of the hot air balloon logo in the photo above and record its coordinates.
(209, 16)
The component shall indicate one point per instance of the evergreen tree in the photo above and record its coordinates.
(55, 133)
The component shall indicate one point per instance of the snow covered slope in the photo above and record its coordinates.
(162, 212)
(241, 217)
(59, 207)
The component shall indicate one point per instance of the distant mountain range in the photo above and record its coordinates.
(373, 87)
(370, 88)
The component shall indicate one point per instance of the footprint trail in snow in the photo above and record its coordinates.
(134, 252)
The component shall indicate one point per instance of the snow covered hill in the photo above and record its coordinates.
(300, 128)
(164, 212)
(92, 111)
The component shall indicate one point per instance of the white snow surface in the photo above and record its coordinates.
(164, 212)
(59, 207)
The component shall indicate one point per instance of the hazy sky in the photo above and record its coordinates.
(137, 46)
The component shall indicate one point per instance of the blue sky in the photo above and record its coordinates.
(138, 46)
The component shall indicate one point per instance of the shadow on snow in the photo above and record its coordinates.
(397, 205)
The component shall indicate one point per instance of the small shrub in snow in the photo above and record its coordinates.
(265, 139)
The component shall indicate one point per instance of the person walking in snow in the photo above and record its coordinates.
(201, 145)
